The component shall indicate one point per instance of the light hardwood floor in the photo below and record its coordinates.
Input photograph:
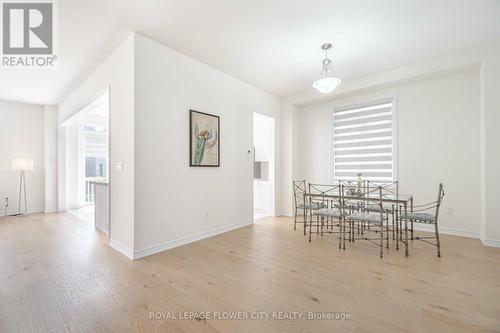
(58, 275)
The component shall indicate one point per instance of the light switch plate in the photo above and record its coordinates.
(119, 166)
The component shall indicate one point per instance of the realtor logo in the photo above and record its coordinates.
(28, 29)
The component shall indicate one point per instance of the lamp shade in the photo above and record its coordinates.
(327, 85)
(22, 164)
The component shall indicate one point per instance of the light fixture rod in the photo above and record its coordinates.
(327, 82)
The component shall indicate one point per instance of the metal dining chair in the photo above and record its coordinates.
(352, 188)
(389, 189)
(375, 221)
(424, 214)
(327, 215)
(300, 203)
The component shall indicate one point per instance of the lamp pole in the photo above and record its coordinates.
(22, 186)
(22, 165)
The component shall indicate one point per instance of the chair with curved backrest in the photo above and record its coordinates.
(300, 203)
(374, 221)
(424, 214)
(389, 189)
(324, 199)
(353, 188)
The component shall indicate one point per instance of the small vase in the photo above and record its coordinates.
(360, 181)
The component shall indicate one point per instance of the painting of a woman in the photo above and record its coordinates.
(204, 139)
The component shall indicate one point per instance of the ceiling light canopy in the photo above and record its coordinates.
(328, 82)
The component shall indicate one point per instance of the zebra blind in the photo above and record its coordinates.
(363, 142)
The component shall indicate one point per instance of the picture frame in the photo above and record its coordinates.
(204, 139)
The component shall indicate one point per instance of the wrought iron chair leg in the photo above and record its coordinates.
(387, 230)
(437, 240)
(353, 230)
(381, 239)
(340, 233)
(400, 221)
(295, 220)
(401, 228)
(397, 232)
(393, 219)
(305, 221)
(411, 229)
(343, 236)
(310, 229)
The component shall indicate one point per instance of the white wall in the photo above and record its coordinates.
(22, 136)
(287, 144)
(50, 158)
(175, 203)
(158, 201)
(117, 73)
(437, 141)
(490, 136)
(73, 164)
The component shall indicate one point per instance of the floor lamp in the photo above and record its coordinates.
(22, 164)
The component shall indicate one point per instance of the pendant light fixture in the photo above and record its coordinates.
(327, 83)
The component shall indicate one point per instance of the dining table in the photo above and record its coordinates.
(402, 203)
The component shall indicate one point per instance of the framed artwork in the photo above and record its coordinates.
(204, 144)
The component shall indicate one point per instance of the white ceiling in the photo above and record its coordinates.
(272, 44)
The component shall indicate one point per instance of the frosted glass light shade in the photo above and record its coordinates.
(326, 85)
(22, 164)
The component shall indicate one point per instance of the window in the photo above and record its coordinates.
(96, 150)
(96, 166)
(364, 142)
(94, 129)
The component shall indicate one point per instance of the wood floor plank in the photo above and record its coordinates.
(59, 275)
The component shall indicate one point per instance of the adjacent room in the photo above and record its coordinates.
(243, 166)
(85, 141)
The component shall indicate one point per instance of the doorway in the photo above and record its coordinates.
(263, 178)
(87, 163)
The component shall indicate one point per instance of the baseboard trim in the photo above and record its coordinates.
(122, 249)
(15, 212)
(286, 214)
(491, 242)
(188, 239)
(446, 230)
